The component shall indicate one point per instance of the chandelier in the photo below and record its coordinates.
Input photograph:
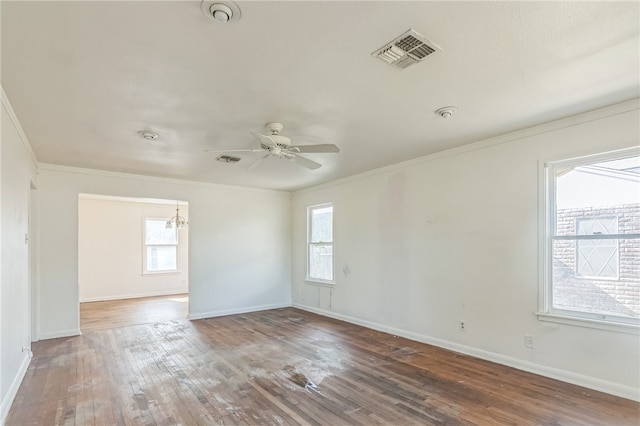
(177, 221)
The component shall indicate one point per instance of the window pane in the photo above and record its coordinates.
(601, 196)
(322, 225)
(161, 258)
(597, 258)
(321, 262)
(597, 276)
(598, 225)
(156, 232)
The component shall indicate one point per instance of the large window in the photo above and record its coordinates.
(592, 248)
(320, 244)
(161, 247)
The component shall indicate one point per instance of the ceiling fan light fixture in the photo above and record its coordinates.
(276, 145)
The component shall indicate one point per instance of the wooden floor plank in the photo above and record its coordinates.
(281, 367)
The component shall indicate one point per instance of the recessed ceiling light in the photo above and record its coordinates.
(220, 11)
(446, 112)
(150, 136)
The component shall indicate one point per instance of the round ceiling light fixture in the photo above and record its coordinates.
(150, 136)
(220, 11)
(446, 112)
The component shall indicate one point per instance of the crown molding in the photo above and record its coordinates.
(551, 126)
(148, 178)
(4, 99)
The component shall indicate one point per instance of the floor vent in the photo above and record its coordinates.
(406, 50)
(228, 159)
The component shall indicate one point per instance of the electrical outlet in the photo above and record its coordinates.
(528, 341)
(462, 326)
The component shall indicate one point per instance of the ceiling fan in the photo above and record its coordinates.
(276, 145)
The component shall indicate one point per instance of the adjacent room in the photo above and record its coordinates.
(319, 213)
(133, 257)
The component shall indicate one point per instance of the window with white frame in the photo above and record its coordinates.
(160, 246)
(592, 248)
(320, 243)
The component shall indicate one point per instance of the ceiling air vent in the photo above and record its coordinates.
(406, 50)
(228, 159)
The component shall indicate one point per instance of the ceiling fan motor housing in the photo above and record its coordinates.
(281, 141)
(274, 128)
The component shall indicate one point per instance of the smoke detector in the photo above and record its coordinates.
(406, 50)
(150, 136)
(446, 112)
(220, 11)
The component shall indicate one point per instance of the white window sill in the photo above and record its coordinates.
(320, 283)
(590, 323)
(150, 274)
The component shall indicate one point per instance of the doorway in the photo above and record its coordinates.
(132, 261)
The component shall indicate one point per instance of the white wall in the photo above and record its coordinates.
(239, 243)
(111, 245)
(454, 236)
(17, 171)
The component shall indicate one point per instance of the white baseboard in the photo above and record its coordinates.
(59, 333)
(132, 296)
(212, 314)
(13, 389)
(554, 373)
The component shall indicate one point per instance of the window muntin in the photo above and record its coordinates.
(161, 247)
(597, 258)
(592, 251)
(320, 244)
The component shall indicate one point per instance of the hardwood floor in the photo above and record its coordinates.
(287, 366)
(125, 312)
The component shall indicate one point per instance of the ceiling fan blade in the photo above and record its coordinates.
(305, 162)
(233, 150)
(326, 147)
(257, 162)
(265, 140)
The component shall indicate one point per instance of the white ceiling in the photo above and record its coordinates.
(85, 76)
